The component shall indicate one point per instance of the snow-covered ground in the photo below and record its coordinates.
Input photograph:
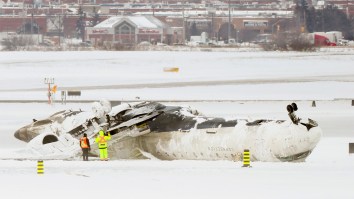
(246, 85)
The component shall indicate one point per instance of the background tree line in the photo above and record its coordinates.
(330, 18)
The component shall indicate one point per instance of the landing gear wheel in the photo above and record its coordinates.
(294, 106)
(290, 108)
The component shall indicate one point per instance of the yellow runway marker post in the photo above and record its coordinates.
(246, 158)
(40, 167)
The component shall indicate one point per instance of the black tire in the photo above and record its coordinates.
(289, 108)
(294, 106)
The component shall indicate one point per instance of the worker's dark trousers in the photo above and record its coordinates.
(85, 154)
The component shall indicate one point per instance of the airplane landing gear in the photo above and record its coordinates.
(291, 110)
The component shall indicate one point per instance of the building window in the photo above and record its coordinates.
(125, 29)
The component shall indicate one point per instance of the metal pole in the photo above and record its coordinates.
(184, 29)
(229, 26)
(59, 30)
(237, 36)
(212, 25)
(322, 20)
(32, 18)
(49, 94)
(49, 81)
(32, 23)
(153, 8)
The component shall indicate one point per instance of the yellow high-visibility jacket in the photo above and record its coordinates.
(101, 139)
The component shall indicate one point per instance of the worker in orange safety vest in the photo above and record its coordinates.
(101, 140)
(85, 146)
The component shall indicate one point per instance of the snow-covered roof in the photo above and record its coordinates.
(138, 21)
(233, 13)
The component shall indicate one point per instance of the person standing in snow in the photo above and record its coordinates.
(85, 146)
(101, 140)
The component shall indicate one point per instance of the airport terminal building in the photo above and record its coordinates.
(129, 30)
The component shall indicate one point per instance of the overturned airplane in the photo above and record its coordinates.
(152, 130)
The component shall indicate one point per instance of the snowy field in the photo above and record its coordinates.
(228, 84)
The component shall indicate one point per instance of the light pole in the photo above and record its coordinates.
(184, 28)
(237, 31)
(229, 25)
(49, 81)
(211, 12)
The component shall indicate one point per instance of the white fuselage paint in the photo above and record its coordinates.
(266, 142)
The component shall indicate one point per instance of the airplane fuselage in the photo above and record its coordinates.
(271, 142)
(152, 130)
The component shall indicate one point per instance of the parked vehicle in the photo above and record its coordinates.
(324, 38)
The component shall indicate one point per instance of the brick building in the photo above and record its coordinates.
(129, 30)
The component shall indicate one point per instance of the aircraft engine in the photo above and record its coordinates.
(42, 139)
(49, 145)
(49, 139)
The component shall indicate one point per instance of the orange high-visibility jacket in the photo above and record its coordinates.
(84, 143)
